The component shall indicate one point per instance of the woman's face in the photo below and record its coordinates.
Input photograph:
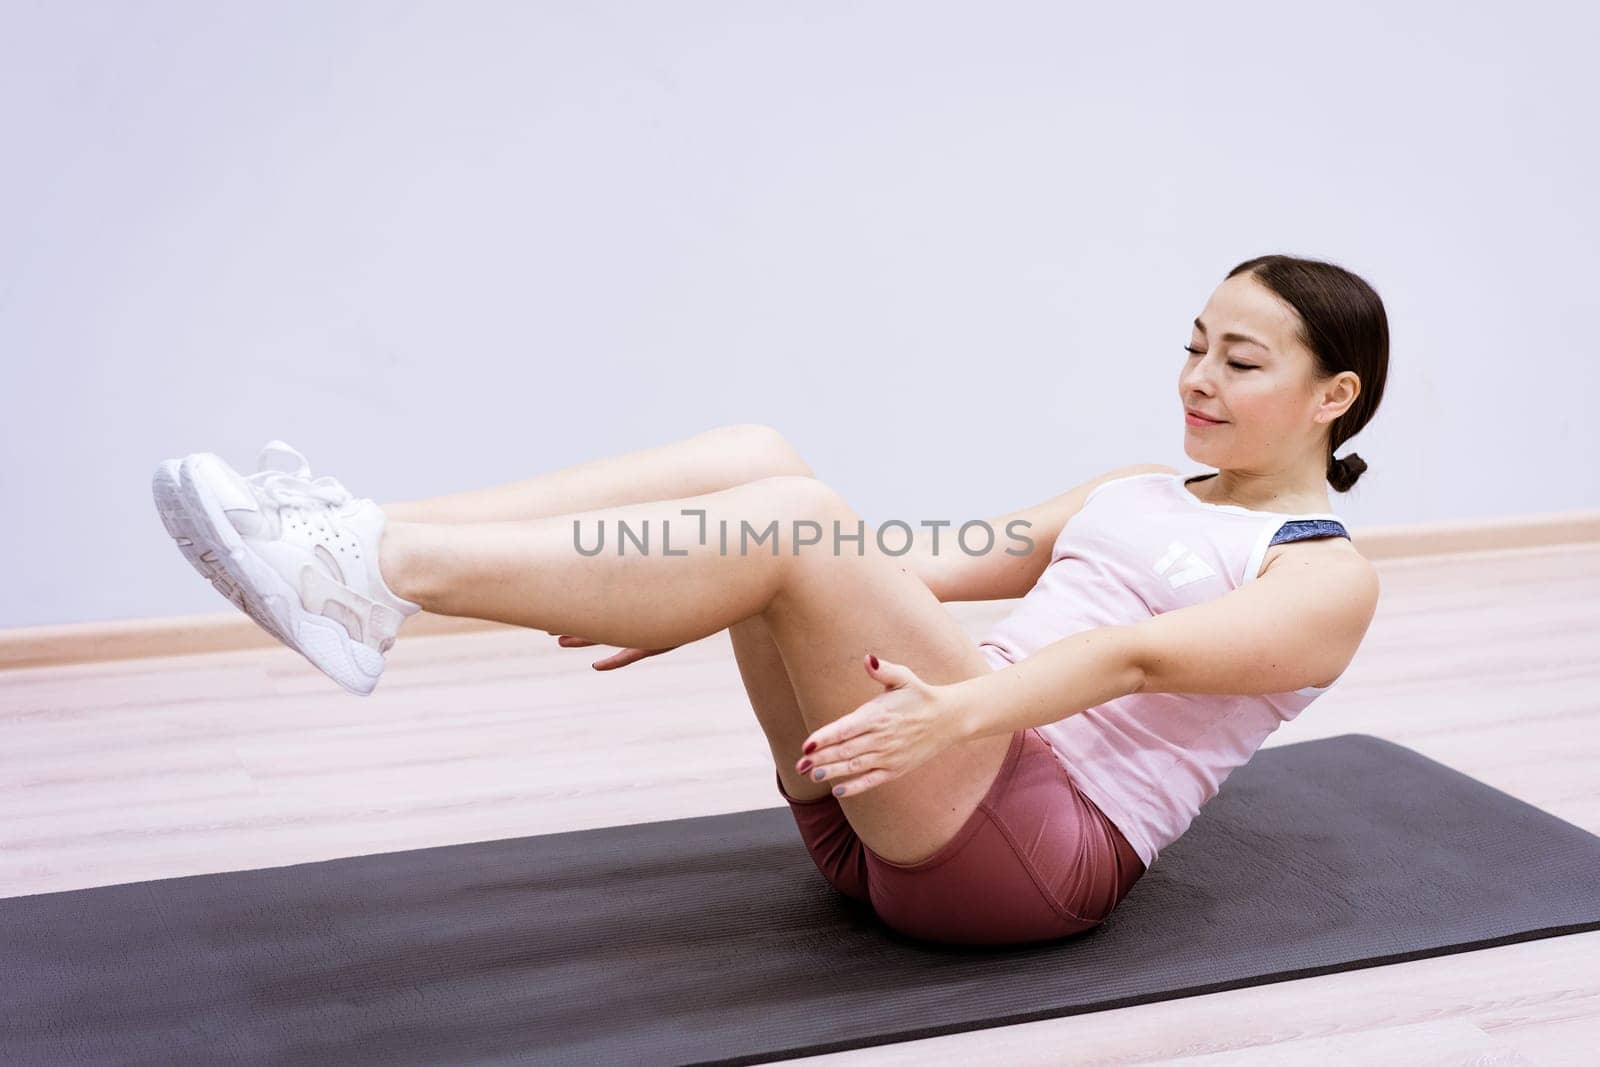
(1247, 368)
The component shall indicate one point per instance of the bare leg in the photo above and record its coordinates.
(825, 617)
(708, 461)
(766, 680)
(715, 459)
(824, 612)
(531, 573)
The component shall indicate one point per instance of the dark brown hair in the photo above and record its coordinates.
(1343, 323)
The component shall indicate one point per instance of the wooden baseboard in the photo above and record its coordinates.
(117, 639)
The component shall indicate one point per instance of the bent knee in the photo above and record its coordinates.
(766, 449)
(802, 497)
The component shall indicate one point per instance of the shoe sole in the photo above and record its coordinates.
(209, 542)
(181, 528)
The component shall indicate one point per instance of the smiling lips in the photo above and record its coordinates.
(1194, 418)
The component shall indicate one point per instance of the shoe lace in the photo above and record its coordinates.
(283, 477)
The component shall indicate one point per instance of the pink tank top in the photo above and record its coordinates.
(1141, 545)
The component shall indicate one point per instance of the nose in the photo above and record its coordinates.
(1195, 381)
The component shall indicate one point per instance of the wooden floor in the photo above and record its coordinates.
(136, 769)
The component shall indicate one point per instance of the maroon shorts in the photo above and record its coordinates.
(1036, 861)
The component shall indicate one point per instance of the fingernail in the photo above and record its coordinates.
(874, 660)
(822, 772)
(838, 790)
(811, 746)
(805, 765)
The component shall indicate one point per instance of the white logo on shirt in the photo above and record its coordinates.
(1181, 566)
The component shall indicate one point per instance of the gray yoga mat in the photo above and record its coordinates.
(715, 940)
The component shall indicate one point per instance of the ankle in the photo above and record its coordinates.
(399, 559)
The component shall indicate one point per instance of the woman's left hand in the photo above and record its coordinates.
(899, 729)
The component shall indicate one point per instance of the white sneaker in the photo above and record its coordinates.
(298, 556)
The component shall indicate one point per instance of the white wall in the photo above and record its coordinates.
(952, 250)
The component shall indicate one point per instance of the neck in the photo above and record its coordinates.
(1277, 491)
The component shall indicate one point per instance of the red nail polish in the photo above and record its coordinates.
(874, 660)
(811, 746)
(805, 765)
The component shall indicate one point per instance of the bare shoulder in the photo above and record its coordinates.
(1344, 577)
(1323, 552)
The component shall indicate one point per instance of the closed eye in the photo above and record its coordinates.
(1232, 363)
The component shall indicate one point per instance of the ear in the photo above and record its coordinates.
(1339, 393)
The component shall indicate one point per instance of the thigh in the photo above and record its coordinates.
(1036, 861)
(830, 611)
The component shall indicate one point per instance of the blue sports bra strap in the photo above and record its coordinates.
(1301, 529)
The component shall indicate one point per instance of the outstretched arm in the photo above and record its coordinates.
(1297, 625)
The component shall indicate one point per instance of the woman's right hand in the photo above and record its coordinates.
(621, 659)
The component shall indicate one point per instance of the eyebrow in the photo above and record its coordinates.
(1246, 338)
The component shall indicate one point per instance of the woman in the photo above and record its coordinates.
(1005, 791)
